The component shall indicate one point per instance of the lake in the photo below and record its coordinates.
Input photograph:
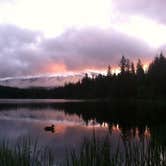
(74, 120)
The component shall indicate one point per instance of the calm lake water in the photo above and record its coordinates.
(76, 119)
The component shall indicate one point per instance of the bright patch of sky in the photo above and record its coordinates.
(53, 16)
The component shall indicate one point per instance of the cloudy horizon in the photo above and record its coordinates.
(58, 37)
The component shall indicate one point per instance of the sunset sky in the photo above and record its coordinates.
(42, 37)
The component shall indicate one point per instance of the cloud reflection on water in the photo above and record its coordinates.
(70, 129)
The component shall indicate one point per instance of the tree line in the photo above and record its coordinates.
(131, 82)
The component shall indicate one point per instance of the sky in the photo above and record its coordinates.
(46, 37)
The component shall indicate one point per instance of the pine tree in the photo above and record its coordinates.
(109, 71)
(132, 68)
(139, 70)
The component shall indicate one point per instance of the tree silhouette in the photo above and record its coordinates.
(128, 66)
(132, 69)
(129, 83)
(140, 70)
(122, 65)
(109, 71)
(125, 66)
(157, 75)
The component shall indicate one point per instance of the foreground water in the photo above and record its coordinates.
(74, 120)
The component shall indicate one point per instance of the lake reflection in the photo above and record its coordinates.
(71, 125)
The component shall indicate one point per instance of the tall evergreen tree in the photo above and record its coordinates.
(122, 65)
(139, 70)
(127, 66)
(109, 71)
(132, 68)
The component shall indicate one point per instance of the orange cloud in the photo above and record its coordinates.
(61, 68)
(55, 68)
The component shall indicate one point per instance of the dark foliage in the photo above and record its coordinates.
(129, 83)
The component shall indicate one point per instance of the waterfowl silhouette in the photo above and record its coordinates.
(50, 128)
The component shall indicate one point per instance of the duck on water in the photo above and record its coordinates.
(50, 128)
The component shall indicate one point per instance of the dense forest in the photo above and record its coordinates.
(131, 82)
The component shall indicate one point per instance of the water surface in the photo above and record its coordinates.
(74, 120)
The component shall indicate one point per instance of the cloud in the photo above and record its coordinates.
(24, 52)
(18, 51)
(94, 48)
(40, 81)
(154, 9)
(6, 1)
